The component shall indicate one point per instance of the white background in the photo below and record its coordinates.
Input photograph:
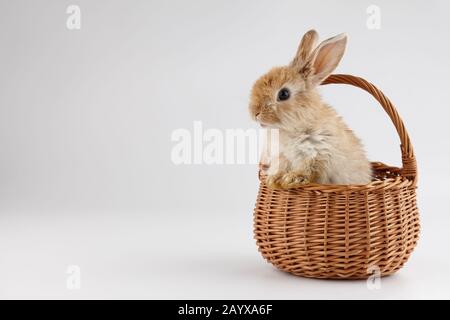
(86, 118)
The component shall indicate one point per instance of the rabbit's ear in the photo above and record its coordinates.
(326, 58)
(306, 46)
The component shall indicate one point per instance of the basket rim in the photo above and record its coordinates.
(398, 182)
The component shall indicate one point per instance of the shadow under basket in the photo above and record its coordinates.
(343, 231)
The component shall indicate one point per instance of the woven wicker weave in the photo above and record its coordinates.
(343, 231)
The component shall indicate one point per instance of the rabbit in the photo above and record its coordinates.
(315, 145)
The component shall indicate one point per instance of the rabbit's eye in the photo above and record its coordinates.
(284, 94)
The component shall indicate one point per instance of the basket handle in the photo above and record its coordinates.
(409, 167)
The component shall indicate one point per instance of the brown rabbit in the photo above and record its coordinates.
(315, 145)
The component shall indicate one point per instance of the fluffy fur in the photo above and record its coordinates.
(315, 145)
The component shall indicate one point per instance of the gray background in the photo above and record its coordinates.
(86, 118)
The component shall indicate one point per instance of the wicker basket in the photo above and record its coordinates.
(343, 231)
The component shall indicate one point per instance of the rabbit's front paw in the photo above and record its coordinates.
(293, 180)
(286, 180)
(274, 181)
